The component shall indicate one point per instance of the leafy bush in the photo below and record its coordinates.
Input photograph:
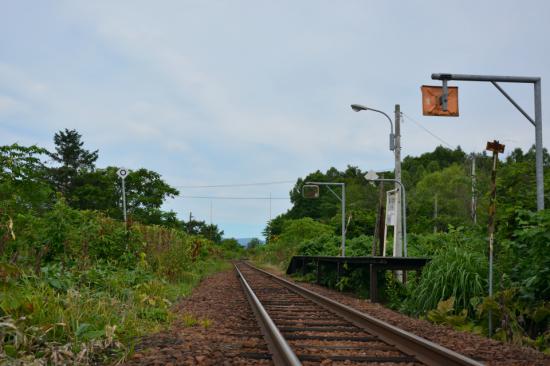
(528, 254)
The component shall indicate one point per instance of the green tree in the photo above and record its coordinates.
(74, 160)
(208, 231)
(23, 178)
(452, 189)
(146, 191)
(414, 168)
(253, 244)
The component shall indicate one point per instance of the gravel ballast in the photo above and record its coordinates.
(231, 336)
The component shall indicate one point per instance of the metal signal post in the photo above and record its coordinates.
(123, 173)
(496, 148)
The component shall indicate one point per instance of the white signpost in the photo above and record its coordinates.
(391, 218)
(122, 174)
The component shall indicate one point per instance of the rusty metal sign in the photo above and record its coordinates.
(495, 146)
(431, 101)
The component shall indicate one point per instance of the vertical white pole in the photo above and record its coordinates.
(474, 198)
(124, 203)
(343, 220)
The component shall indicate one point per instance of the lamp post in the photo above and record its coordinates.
(342, 200)
(395, 146)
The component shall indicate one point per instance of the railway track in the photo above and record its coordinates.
(304, 328)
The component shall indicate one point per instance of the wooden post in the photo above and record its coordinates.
(381, 233)
(496, 148)
(380, 221)
(373, 286)
(318, 271)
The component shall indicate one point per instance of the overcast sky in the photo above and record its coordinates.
(223, 92)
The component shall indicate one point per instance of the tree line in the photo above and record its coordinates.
(33, 178)
(440, 187)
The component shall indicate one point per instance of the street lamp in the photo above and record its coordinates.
(359, 108)
(395, 146)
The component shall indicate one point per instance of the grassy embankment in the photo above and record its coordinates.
(75, 288)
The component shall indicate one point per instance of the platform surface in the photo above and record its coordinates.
(404, 263)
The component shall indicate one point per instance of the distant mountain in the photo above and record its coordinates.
(245, 241)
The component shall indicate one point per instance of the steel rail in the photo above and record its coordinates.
(424, 350)
(282, 354)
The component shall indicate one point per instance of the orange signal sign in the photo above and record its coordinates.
(431, 101)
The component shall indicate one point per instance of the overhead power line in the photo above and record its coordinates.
(428, 131)
(235, 198)
(238, 184)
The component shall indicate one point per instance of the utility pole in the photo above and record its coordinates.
(474, 197)
(189, 224)
(496, 148)
(435, 214)
(397, 153)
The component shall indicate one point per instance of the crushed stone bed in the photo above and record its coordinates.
(485, 350)
(233, 337)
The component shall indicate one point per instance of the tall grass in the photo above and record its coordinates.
(453, 272)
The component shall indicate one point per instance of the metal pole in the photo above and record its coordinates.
(397, 153)
(492, 209)
(538, 145)
(124, 203)
(474, 198)
(536, 81)
(343, 220)
(496, 78)
(404, 218)
(495, 147)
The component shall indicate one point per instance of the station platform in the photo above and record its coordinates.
(300, 264)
